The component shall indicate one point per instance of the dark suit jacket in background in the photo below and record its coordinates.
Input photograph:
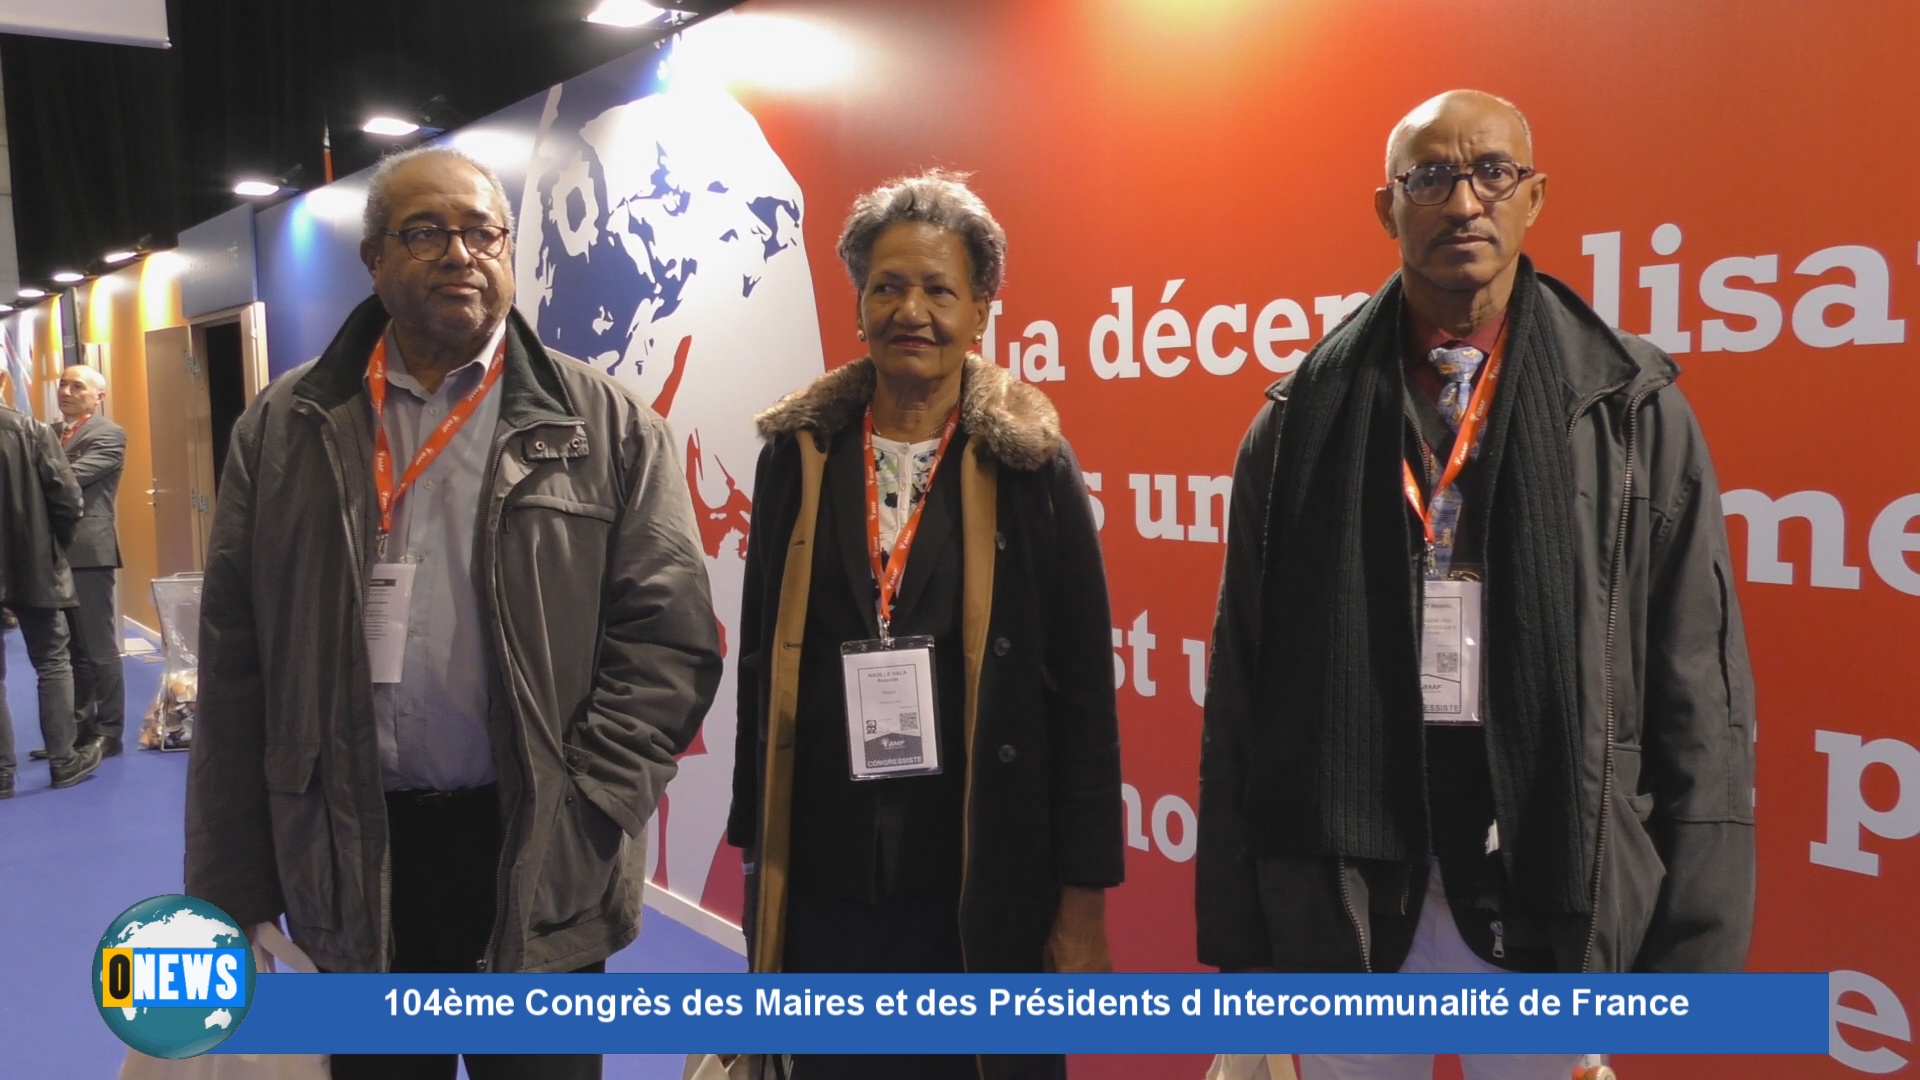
(98, 454)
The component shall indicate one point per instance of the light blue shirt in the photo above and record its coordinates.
(433, 722)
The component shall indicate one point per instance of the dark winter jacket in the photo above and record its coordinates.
(605, 658)
(1042, 754)
(1665, 762)
(41, 506)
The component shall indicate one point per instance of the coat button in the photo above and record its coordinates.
(1000, 540)
(1001, 646)
(1007, 754)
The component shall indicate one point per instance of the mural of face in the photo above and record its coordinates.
(661, 243)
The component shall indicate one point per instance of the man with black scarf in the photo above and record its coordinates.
(1486, 710)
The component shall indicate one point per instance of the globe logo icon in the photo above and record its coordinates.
(173, 976)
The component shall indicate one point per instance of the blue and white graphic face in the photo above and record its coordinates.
(661, 220)
(660, 241)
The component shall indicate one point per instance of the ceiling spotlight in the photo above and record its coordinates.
(4, 308)
(254, 189)
(68, 277)
(391, 126)
(115, 258)
(624, 14)
(31, 293)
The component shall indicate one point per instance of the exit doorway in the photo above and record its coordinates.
(200, 378)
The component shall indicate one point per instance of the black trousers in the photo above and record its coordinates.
(829, 933)
(446, 854)
(45, 632)
(99, 690)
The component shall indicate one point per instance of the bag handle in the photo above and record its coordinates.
(270, 943)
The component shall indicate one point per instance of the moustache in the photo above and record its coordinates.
(1463, 234)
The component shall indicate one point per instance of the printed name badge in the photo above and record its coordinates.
(389, 597)
(1450, 653)
(891, 729)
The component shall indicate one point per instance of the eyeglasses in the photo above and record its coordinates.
(1491, 181)
(430, 242)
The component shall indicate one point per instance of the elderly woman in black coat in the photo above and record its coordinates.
(928, 765)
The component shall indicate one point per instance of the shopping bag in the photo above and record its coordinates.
(735, 1067)
(270, 945)
(1252, 1067)
(139, 1066)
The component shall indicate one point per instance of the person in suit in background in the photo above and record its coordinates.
(97, 449)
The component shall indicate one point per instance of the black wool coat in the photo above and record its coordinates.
(1042, 762)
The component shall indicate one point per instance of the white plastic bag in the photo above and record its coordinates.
(269, 945)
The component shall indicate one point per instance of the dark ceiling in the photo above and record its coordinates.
(112, 144)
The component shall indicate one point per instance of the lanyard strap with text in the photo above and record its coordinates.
(384, 487)
(888, 570)
(1463, 441)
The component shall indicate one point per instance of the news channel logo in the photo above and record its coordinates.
(173, 976)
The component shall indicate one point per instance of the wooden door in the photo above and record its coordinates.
(181, 435)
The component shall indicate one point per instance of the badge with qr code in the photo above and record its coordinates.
(1450, 652)
(891, 728)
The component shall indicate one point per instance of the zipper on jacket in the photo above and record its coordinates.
(1585, 403)
(329, 438)
(499, 633)
(1499, 939)
(499, 894)
(505, 660)
(1613, 622)
(1353, 916)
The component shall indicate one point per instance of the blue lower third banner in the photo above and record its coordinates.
(992, 1014)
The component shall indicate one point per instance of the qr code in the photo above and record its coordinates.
(910, 722)
(1449, 663)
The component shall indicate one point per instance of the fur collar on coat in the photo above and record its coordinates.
(1013, 422)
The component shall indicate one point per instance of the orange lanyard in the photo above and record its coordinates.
(388, 492)
(895, 566)
(1463, 441)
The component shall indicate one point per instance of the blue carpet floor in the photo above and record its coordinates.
(70, 861)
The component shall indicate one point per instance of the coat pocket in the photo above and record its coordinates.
(578, 871)
(551, 585)
(1630, 884)
(302, 834)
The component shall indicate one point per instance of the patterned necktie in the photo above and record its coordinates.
(1457, 366)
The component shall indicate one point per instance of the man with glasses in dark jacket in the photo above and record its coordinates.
(1480, 699)
(455, 627)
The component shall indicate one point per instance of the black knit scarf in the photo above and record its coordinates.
(1338, 741)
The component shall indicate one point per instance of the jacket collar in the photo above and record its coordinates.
(1010, 421)
(530, 387)
(1596, 359)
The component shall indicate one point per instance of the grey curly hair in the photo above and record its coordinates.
(937, 197)
(373, 220)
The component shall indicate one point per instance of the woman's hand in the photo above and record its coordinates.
(1078, 941)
